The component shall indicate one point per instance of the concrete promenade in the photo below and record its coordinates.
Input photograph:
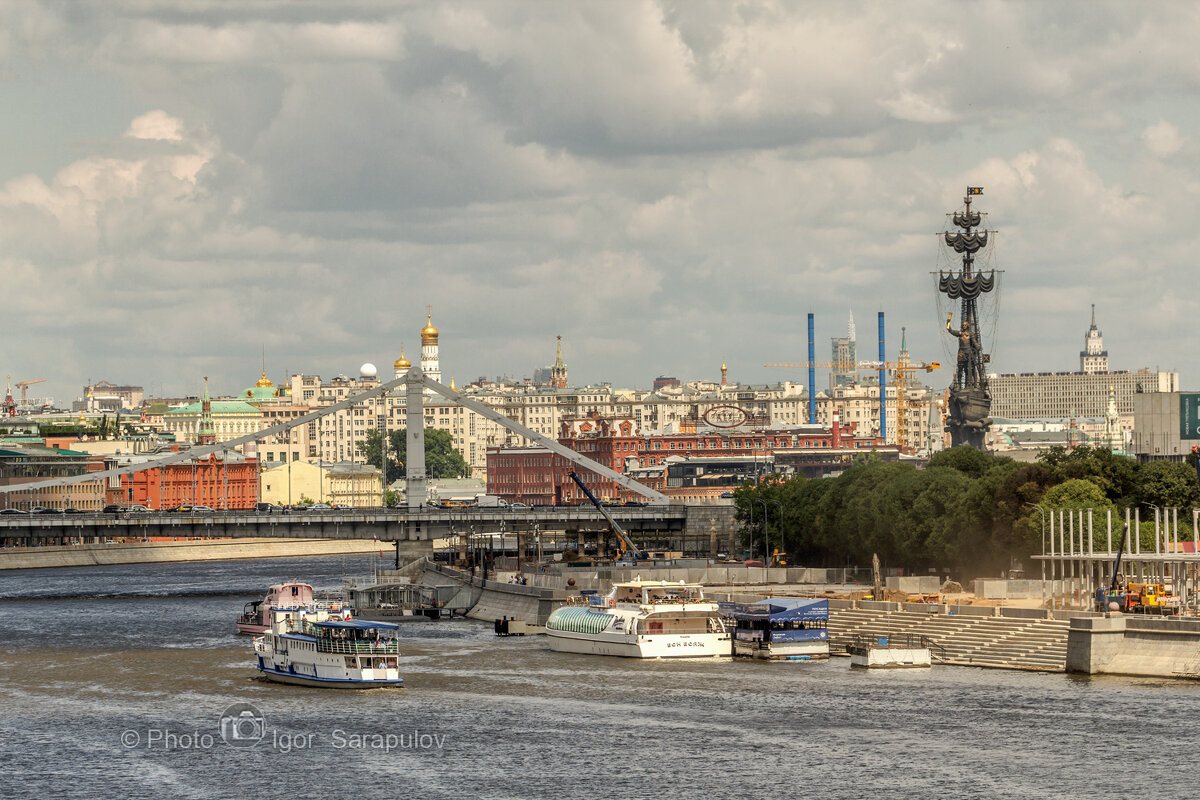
(88, 555)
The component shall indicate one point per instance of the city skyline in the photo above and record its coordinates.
(180, 188)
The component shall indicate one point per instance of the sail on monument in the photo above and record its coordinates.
(970, 403)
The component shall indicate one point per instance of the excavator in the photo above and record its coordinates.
(627, 554)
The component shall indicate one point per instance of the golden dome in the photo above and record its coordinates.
(429, 334)
(453, 388)
(264, 382)
(402, 362)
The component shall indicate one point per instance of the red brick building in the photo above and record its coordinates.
(222, 483)
(536, 476)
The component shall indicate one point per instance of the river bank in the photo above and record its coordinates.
(89, 555)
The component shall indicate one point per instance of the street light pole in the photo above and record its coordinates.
(750, 539)
(1156, 510)
(779, 506)
(766, 541)
(1041, 511)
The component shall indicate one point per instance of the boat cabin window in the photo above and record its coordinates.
(673, 594)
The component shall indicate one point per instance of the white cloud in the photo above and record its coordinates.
(1163, 139)
(653, 180)
(156, 124)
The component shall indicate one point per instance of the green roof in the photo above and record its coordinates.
(259, 393)
(218, 407)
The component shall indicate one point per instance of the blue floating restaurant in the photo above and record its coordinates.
(782, 628)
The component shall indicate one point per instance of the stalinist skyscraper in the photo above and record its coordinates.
(1093, 358)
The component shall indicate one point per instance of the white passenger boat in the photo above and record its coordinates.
(641, 619)
(256, 616)
(312, 647)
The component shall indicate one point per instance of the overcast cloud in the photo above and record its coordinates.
(665, 184)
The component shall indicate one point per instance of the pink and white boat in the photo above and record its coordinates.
(256, 616)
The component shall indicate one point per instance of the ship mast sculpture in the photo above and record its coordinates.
(970, 402)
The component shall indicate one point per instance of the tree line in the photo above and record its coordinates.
(966, 511)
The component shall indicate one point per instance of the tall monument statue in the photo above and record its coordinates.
(970, 402)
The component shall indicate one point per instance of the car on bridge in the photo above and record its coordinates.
(12, 511)
(191, 508)
(44, 510)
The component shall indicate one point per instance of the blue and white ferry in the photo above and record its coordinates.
(312, 647)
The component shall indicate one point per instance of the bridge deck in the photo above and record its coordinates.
(384, 524)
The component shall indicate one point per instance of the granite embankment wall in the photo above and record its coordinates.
(88, 555)
(601, 579)
(1116, 644)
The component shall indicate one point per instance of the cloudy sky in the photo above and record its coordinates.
(664, 184)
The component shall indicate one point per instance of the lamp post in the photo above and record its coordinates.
(1156, 510)
(1041, 511)
(766, 541)
(779, 505)
(750, 541)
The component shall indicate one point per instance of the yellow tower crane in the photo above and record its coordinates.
(25, 386)
(900, 368)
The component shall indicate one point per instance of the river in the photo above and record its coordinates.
(115, 679)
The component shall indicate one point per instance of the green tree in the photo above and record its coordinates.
(1168, 484)
(369, 449)
(1115, 475)
(967, 460)
(441, 459)
(1077, 495)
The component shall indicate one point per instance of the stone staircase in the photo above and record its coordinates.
(1004, 642)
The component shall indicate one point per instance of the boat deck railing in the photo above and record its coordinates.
(906, 640)
(353, 647)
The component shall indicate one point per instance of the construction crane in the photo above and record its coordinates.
(628, 553)
(24, 386)
(901, 368)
